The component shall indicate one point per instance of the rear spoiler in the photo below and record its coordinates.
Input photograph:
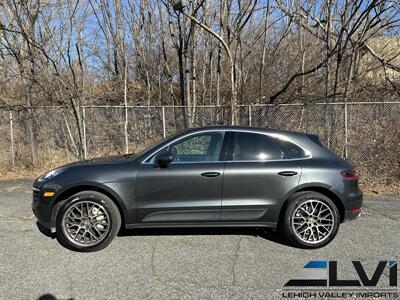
(315, 139)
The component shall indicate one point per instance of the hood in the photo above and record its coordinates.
(103, 160)
(104, 163)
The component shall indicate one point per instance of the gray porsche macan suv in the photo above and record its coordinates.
(204, 177)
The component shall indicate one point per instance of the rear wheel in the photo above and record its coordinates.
(88, 221)
(311, 220)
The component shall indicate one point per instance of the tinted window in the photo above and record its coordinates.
(292, 150)
(251, 146)
(197, 148)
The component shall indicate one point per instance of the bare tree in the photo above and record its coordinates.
(222, 52)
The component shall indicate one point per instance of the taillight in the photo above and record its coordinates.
(350, 174)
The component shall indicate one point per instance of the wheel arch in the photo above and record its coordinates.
(72, 190)
(319, 189)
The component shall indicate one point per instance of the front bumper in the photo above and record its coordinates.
(41, 207)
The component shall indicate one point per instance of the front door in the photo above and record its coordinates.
(189, 189)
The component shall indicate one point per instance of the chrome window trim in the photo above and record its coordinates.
(270, 134)
(264, 161)
(195, 162)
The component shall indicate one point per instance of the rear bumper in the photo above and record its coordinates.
(352, 205)
(351, 215)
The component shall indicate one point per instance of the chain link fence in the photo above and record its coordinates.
(38, 135)
(105, 125)
(368, 134)
(6, 151)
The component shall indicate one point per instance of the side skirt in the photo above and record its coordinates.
(272, 225)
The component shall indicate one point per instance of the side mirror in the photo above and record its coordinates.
(164, 158)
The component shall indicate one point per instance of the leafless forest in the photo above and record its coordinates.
(199, 52)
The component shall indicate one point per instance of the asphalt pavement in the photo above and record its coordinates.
(179, 263)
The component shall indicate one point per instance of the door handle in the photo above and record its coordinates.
(287, 173)
(210, 174)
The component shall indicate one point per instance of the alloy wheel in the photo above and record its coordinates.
(313, 221)
(86, 223)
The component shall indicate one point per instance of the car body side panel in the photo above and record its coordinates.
(179, 193)
(124, 192)
(44, 207)
(253, 191)
(116, 178)
(325, 173)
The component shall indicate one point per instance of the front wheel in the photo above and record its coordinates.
(88, 221)
(311, 220)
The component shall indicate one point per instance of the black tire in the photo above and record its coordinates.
(94, 197)
(294, 202)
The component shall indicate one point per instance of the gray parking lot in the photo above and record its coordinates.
(179, 263)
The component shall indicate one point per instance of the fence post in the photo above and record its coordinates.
(346, 137)
(12, 139)
(250, 115)
(84, 132)
(163, 121)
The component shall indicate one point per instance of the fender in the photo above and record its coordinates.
(322, 188)
(62, 194)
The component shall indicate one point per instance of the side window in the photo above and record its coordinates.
(204, 147)
(292, 151)
(195, 146)
(201, 147)
(253, 146)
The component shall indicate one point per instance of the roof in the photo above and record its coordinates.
(244, 128)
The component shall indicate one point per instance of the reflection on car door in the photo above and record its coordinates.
(189, 189)
(256, 178)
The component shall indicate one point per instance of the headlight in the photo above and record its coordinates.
(52, 173)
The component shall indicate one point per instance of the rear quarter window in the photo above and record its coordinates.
(292, 151)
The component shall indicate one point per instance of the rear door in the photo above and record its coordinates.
(189, 189)
(259, 173)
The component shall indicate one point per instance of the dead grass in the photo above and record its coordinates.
(48, 159)
(380, 188)
(22, 173)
